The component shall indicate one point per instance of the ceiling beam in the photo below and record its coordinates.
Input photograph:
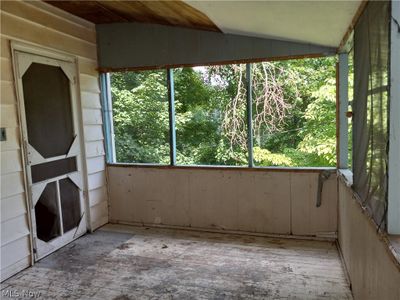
(345, 42)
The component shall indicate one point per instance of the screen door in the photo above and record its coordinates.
(52, 147)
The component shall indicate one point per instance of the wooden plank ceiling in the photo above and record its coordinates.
(173, 13)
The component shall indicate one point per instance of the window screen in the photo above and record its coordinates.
(141, 119)
(370, 121)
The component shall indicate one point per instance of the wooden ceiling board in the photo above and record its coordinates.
(88, 10)
(173, 13)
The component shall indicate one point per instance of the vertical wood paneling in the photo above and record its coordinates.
(250, 201)
(44, 25)
(373, 273)
(307, 218)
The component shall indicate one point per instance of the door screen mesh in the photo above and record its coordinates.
(48, 109)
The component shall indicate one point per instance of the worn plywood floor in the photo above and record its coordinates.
(122, 262)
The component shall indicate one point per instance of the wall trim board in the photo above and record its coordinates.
(206, 64)
(350, 29)
(343, 263)
(123, 46)
(237, 232)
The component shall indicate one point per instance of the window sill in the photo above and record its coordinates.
(239, 168)
(393, 242)
(346, 175)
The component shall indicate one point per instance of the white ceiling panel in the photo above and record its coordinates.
(317, 22)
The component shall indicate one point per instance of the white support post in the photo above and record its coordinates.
(108, 126)
(343, 107)
(393, 219)
(249, 104)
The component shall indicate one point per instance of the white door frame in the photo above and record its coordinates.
(23, 55)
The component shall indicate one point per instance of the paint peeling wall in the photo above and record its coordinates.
(373, 270)
(257, 201)
(43, 25)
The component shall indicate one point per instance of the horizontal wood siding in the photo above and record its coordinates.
(45, 25)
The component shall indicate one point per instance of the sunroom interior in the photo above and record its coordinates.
(80, 221)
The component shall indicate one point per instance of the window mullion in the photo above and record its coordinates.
(171, 105)
(343, 107)
(249, 98)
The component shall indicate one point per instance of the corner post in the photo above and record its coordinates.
(343, 107)
(393, 217)
(108, 127)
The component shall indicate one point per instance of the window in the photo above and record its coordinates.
(293, 114)
(207, 121)
(371, 109)
(140, 116)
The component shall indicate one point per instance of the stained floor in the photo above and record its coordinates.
(124, 262)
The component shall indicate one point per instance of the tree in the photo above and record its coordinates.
(293, 114)
(141, 123)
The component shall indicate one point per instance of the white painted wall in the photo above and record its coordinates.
(373, 270)
(393, 219)
(261, 201)
(44, 25)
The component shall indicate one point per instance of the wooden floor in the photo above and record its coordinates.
(122, 262)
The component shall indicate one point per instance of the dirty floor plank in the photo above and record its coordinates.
(125, 262)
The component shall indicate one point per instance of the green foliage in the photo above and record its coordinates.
(264, 157)
(141, 123)
(319, 133)
(203, 103)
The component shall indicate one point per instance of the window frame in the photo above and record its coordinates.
(110, 142)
